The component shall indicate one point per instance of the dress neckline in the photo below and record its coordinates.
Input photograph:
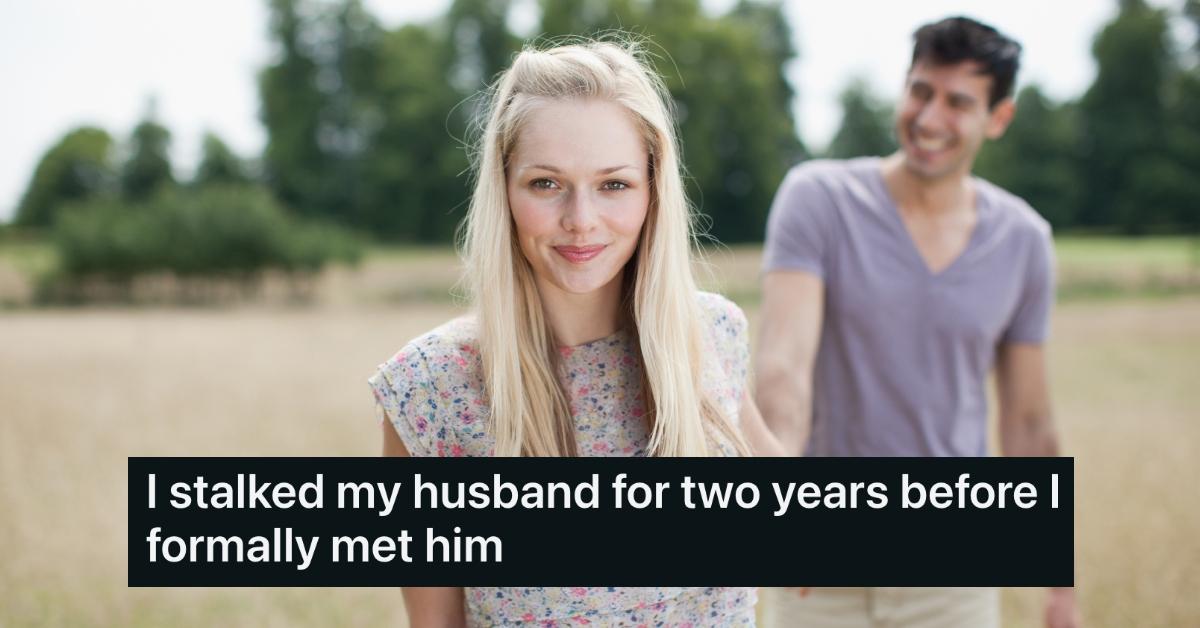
(617, 338)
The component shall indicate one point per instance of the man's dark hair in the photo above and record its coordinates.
(957, 39)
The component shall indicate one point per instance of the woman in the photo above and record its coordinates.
(589, 337)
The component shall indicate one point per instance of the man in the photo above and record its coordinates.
(892, 286)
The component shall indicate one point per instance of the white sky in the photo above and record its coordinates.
(69, 62)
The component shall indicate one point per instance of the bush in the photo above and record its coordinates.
(234, 231)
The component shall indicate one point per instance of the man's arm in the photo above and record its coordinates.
(790, 331)
(1027, 429)
(763, 442)
(1026, 420)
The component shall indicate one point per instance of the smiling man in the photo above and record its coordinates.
(892, 288)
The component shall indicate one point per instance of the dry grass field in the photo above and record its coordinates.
(82, 389)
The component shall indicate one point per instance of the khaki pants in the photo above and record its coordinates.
(881, 608)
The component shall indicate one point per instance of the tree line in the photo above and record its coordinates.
(368, 128)
(116, 212)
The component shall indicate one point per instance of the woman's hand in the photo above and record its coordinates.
(1062, 609)
(762, 441)
(435, 607)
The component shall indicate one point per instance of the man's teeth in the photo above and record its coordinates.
(931, 144)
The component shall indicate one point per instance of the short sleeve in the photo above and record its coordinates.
(800, 224)
(737, 354)
(1031, 319)
(405, 394)
(731, 340)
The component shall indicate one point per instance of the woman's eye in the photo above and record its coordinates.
(542, 184)
(614, 185)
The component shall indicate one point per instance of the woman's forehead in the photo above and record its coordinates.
(579, 135)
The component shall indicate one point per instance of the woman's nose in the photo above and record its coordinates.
(580, 213)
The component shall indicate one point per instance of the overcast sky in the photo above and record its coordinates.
(64, 63)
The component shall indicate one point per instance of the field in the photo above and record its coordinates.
(82, 389)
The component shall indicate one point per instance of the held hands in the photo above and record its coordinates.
(1062, 609)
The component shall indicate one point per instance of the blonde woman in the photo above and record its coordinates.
(588, 337)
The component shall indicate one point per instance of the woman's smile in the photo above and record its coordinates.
(580, 254)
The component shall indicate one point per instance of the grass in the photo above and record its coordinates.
(30, 257)
(1089, 268)
(1110, 267)
(1162, 253)
(83, 389)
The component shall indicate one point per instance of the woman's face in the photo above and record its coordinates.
(579, 189)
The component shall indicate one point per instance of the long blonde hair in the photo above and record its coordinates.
(530, 414)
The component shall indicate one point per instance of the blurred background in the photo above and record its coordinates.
(217, 218)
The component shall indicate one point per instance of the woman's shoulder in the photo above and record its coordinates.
(443, 360)
(456, 338)
(455, 342)
(728, 339)
(430, 389)
(721, 315)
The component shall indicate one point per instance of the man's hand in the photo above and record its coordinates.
(1062, 609)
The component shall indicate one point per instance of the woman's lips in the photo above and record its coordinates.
(579, 254)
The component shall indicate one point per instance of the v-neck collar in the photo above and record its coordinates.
(982, 221)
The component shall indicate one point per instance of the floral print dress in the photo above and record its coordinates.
(432, 393)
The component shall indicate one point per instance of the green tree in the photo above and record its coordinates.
(866, 127)
(1036, 159)
(219, 164)
(482, 44)
(775, 41)
(294, 163)
(77, 168)
(1123, 122)
(737, 133)
(1184, 120)
(321, 106)
(147, 166)
(351, 114)
(412, 185)
(585, 17)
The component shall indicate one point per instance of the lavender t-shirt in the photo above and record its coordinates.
(905, 353)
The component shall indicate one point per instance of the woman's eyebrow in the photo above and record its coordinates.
(602, 171)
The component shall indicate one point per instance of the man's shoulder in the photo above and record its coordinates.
(821, 189)
(1014, 212)
(832, 172)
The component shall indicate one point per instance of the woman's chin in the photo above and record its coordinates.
(581, 283)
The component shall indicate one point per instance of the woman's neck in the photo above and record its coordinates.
(576, 319)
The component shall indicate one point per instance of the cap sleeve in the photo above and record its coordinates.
(799, 224)
(407, 396)
(730, 334)
(1031, 319)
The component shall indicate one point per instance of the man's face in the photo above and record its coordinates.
(944, 117)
